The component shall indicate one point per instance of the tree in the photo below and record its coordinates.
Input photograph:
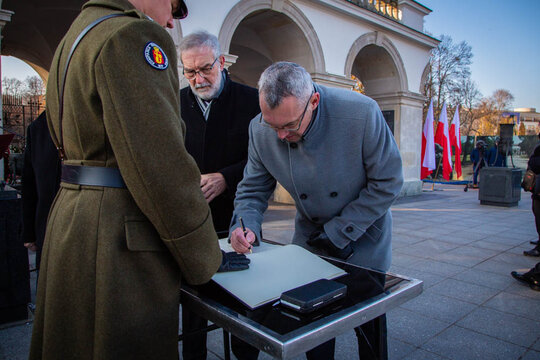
(34, 86)
(467, 95)
(502, 99)
(490, 112)
(448, 68)
(12, 86)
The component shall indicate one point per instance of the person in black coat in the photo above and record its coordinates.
(40, 183)
(217, 113)
(532, 277)
(534, 165)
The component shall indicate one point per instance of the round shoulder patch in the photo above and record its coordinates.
(155, 56)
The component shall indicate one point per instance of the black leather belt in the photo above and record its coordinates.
(92, 175)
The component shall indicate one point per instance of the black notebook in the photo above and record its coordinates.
(313, 296)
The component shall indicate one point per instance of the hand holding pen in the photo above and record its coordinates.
(245, 233)
(242, 239)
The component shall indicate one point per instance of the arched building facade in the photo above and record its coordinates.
(333, 40)
(379, 42)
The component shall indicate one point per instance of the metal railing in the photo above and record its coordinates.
(386, 8)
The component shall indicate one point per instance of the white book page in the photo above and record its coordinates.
(273, 270)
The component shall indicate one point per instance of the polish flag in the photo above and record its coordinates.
(455, 141)
(428, 145)
(442, 138)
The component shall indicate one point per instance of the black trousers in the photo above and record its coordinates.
(536, 212)
(371, 336)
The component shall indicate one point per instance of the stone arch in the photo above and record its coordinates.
(249, 31)
(372, 45)
(424, 79)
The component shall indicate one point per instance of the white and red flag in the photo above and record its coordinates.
(455, 141)
(428, 145)
(442, 137)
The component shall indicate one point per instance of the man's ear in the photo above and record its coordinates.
(221, 62)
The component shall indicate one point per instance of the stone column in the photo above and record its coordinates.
(407, 108)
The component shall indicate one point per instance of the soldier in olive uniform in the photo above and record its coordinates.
(130, 219)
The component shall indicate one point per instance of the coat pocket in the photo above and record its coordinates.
(374, 232)
(142, 236)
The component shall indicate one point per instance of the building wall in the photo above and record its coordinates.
(332, 39)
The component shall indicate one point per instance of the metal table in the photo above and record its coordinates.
(285, 334)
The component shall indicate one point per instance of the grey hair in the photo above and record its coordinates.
(283, 79)
(199, 39)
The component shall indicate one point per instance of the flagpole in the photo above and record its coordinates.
(436, 173)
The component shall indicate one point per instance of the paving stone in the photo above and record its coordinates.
(512, 328)
(531, 355)
(427, 248)
(536, 345)
(423, 355)
(398, 350)
(484, 278)
(436, 267)
(515, 304)
(521, 289)
(411, 327)
(496, 266)
(456, 239)
(460, 290)
(465, 235)
(484, 244)
(15, 343)
(399, 259)
(465, 256)
(463, 344)
(405, 238)
(439, 307)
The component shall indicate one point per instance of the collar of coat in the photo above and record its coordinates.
(314, 124)
(119, 5)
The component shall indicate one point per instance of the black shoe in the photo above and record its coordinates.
(527, 278)
(534, 242)
(534, 252)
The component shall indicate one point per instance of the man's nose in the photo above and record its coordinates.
(282, 134)
(199, 79)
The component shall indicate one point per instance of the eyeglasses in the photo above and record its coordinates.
(190, 74)
(291, 127)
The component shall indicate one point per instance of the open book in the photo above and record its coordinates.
(274, 269)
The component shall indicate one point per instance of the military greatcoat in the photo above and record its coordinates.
(113, 257)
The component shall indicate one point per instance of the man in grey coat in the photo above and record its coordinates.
(336, 156)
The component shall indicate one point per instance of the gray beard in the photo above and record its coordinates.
(208, 95)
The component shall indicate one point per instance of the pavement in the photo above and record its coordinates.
(471, 308)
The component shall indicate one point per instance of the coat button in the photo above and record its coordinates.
(333, 194)
(294, 145)
(315, 219)
(303, 196)
(349, 229)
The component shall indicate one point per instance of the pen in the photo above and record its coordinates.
(245, 232)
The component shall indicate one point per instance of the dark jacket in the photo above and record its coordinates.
(220, 145)
(496, 158)
(534, 165)
(40, 181)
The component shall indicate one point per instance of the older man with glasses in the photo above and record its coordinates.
(217, 112)
(332, 150)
